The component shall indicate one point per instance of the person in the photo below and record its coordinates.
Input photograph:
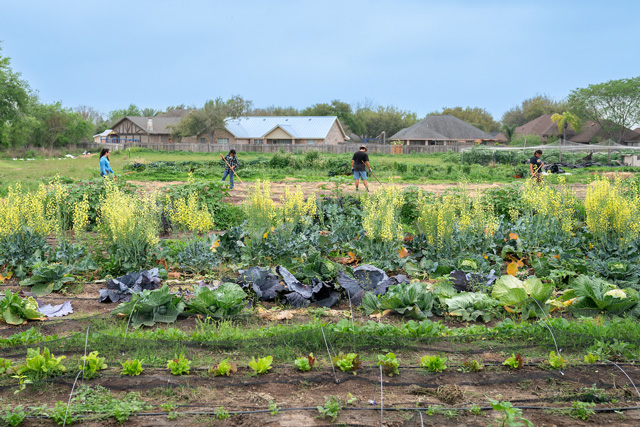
(229, 167)
(535, 166)
(359, 166)
(105, 167)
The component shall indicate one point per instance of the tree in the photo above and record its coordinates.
(478, 117)
(614, 105)
(274, 111)
(15, 97)
(131, 110)
(342, 110)
(211, 117)
(531, 109)
(150, 112)
(369, 122)
(564, 121)
(509, 131)
(56, 126)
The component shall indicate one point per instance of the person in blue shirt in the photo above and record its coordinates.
(105, 167)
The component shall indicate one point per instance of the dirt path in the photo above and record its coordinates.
(239, 193)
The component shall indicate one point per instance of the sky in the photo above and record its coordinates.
(416, 55)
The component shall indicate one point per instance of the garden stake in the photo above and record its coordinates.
(84, 361)
(550, 331)
(374, 175)
(329, 353)
(625, 374)
(232, 170)
(421, 419)
(86, 341)
(381, 398)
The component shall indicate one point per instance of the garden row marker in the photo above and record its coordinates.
(625, 374)
(381, 397)
(232, 170)
(550, 330)
(329, 353)
(86, 341)
(353, 326)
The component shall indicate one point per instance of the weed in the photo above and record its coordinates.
(582, 410)
(591, 358)
(167, 407)
(179, 365)
(13, 417)
(509, 416)
(389, 364)
(273, 408)
(331, 409)
(516, 361)
(132, 367)
(433, 363)
(221, 413)
(475, 409)
(262, 365)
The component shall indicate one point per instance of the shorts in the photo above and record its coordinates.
(360, 175)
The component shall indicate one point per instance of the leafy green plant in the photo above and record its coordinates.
(16, 311)
(149, 307)
(197, 257)
(520, 295)
(595, 294)
(41, 364)
(556, 361)
(132, 367)
(433, 363)
(262, 365)
(304, 364)
(223, 368)
(92, 364)
(349, 362)
(5, 366)
(167, 407)
(179, 365)
(221, 413)
(47, 278)
(389, 363)
(472, 365)
(23, 380)
(331, 409)
(591, 358)
(13, 416)
(509, 416)
(408, 299)
(226, 300)
(471, 306)
(273, 408)
(516, 361)
(582, 410)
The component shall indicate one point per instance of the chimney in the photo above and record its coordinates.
(150, 124)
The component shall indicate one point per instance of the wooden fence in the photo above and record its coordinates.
(274, 148)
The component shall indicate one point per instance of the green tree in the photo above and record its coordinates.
(475, 116)
(342, 110)
(509, 131)
(274, 111)
(131, 110)
(370, 122)
(211, 117)
(56, 126)
(614, 105)
(532, 108)
(150, 112)
(15, 96)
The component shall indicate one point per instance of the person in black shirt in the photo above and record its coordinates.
(359, 166)
(535, 166)
(230, 166)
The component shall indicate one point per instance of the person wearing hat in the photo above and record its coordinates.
(231, 162)
(359, 166)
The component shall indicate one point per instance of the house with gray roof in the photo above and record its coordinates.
(441, 130)
(150, 130)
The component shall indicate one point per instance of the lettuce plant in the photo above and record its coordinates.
(227, 300)
(349, 362)
(304, 364)
(132, 367)
(408, 299)
(262, 365)
(224, 368)
(179, 366)
(16, 311)
(389, 363)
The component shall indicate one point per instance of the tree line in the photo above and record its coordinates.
(26, 121)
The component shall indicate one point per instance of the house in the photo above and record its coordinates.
(106, 136)
(282, 130)
(149, 130)
(243, 130)
(441, 130)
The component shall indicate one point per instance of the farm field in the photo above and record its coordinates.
(293, 300)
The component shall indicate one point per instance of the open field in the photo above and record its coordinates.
(424, 302)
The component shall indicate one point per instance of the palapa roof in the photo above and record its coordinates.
(442, 127)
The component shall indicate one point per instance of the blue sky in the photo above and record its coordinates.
(416, 55)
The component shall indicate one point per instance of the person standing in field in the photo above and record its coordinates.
(105, 167)
(359, 166)
(535, 166)
(229, 167)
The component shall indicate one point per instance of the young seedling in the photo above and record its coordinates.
(14, 417)
(556, 361)
(305, 364)
(516, 361)
(509, 416)
(92, 364)
(261, 366)
(224, 368)
(41, 364)
(433, 363)
(5, 366)
(591, 358)
(349, 362)
(331, 409)
(472, 365)
(582, 410)
(389, 363)
(179, 365)
(221, 413)
(273, 408)
(132, 367)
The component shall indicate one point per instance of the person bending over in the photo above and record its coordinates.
(359, 166)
